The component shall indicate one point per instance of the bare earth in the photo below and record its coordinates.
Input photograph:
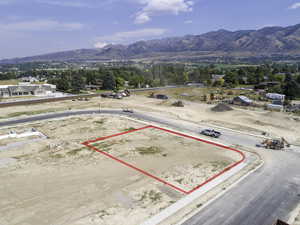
(59, 181)
(275, 123)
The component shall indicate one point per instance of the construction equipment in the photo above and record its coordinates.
(275, 144)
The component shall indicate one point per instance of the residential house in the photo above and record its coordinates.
(215, 77)
(275, 96)
(26, 90)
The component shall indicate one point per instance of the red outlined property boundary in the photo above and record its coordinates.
(88, 144)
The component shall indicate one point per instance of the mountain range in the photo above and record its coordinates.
(266, 42)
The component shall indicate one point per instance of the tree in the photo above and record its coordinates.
(120, 82)
(275, 89)
(77, 83)
(259, 75)
(291, 88)
(298, 79)
(204, 75)
(219, 83)
(136, 81)
(109, 82)
(63, 85)
(231, 79)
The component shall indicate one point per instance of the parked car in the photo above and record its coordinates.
(211, 133)
(160, 96)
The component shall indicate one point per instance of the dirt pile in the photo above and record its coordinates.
(221, 107)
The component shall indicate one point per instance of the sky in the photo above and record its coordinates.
(32, 27)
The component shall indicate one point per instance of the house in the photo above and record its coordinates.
(275, 96)
(92, 87)
(29, 79)
(277, 102)
(215, 77)
(266, 85)
(242, 101)
(195, 84)
(26, 90)
(275, 107)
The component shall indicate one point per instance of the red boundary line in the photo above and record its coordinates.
(87, 144)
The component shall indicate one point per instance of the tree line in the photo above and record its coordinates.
(114, 78)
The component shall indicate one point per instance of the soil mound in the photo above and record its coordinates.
(221, 107)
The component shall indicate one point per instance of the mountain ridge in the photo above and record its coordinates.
(266, 41)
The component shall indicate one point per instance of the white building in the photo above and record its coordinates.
(27, 90)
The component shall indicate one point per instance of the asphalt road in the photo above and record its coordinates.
(270, 193)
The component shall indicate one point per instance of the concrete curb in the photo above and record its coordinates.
(222, 193)
(184, 202)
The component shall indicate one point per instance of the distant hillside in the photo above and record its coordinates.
(269, 41)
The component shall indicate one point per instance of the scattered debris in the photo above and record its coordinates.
(117, 95)
(178, 104)
(152, 95)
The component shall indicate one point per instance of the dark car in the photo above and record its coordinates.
(160, 96)
(211, 133)
(126, 110)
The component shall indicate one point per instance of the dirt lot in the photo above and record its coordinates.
(275, 123)
(60, 181)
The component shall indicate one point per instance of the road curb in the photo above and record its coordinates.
(221, 193)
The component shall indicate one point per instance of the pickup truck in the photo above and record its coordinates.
(211, 133)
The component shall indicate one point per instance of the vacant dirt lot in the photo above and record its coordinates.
(275, 123)
(59, 181)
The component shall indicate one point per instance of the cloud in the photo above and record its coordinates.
(100, 44)
(40, 25)
(129, 36)
(153, 7)
(295, 6)
(142, 17)
(188, 21)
